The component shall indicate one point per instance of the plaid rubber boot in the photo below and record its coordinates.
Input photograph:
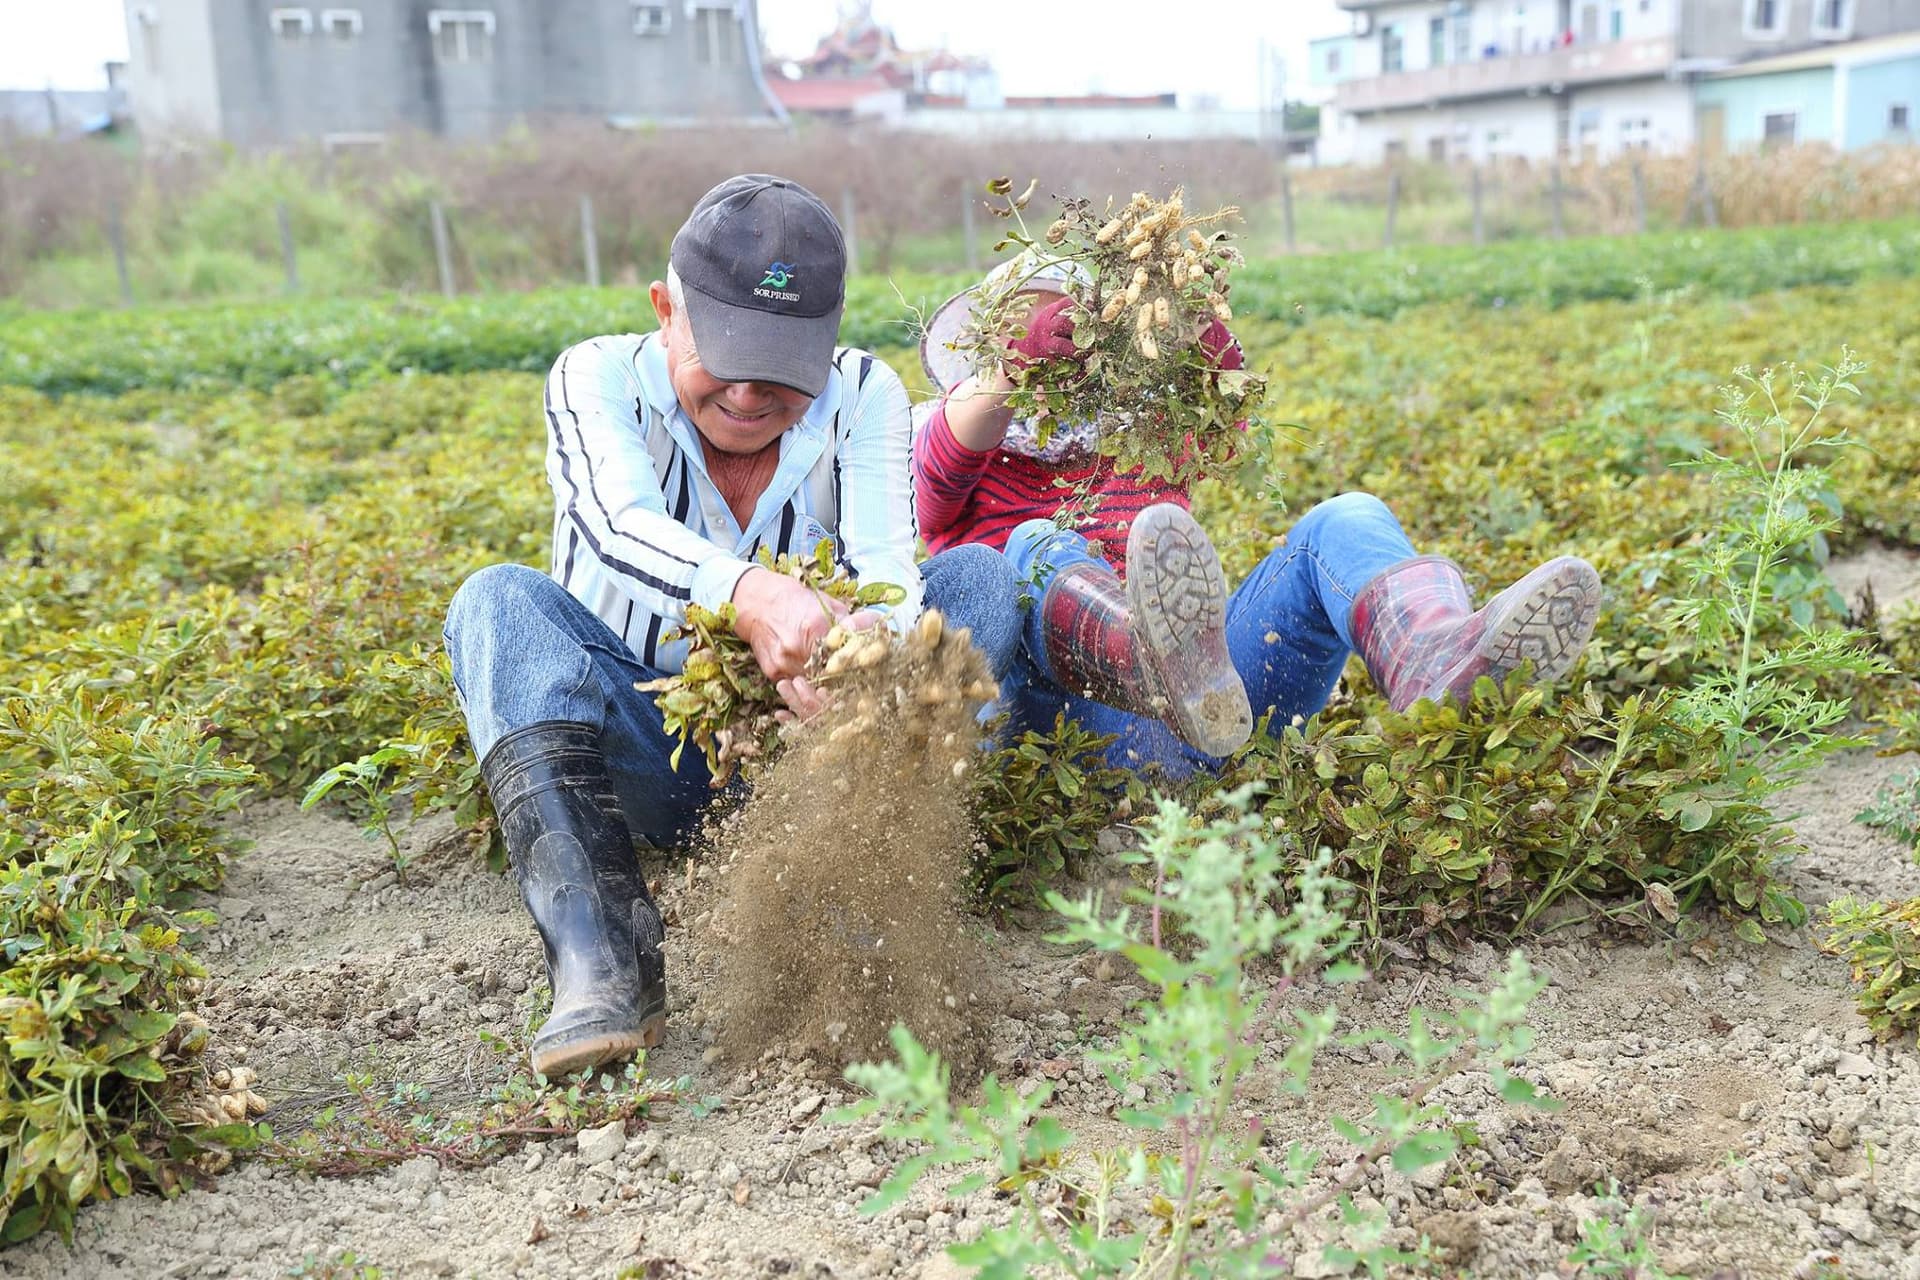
(1416, 628)
(1156, 646)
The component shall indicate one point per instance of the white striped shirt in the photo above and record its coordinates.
(640, 530)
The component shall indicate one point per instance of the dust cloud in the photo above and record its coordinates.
(844, 873)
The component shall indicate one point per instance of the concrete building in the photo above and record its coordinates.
(1482, 79)
(1848, 95)
(261, 71)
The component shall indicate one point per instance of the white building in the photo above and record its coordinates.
(1483, 79)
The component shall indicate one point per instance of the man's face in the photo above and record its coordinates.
(733, 417)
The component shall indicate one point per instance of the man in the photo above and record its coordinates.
(674, 457)
(1153, 649)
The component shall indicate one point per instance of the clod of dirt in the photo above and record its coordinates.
(846, 867)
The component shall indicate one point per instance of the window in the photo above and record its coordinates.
(1899, 118)
(461, 35)
(651, 19)
(1437, 150)
(1437, 42)
(1832, 19)
(290, 24)
(1616, 21)
(1636, 133)
(1779, 128)
(1463, 38)
(1392, 49)
(1333, 62)
(341, 24)
(716, 34)
(1766, 19)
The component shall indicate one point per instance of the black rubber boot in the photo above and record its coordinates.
(574, 859)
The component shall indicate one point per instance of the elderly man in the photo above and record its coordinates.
(674, 457)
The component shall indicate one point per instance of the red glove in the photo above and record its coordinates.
(1222, 348)
(1049, 335)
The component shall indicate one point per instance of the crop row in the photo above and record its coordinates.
(260, 344)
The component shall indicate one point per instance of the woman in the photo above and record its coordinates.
(1152, 649)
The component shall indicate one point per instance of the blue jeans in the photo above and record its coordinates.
(524, 651)
(1288, 627)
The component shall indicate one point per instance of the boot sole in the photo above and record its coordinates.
(583, 1053)
(1548, 622)
(1178, 597)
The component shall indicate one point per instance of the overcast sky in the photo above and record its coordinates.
(1039, 46)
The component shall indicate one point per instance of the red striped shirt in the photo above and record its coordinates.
(965, 495)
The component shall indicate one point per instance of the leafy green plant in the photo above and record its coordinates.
(1771, 720)
(345, 1265)
(1194, 1189)
(1615, 1242)
(1042, 801)
(1896, 809)
(1880, 942)
(1446, 821)
(371, 778)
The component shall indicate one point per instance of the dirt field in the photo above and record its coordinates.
(1735, 1092)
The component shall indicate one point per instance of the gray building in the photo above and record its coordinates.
(261, 71)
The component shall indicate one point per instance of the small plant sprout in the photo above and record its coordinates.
(371, 779)
(1225, 941)
(1616, 1241)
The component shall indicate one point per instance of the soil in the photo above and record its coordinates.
(1732, 1090)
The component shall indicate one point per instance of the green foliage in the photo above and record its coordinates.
(1042, 801)
(1765, 705)
(1444, 820)
(345, 1265)
(1880, 941)
(1615, 1243)
(259, 344)
(1896, 809)
(1191, 1188)
(370, 777)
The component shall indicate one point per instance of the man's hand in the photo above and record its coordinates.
(782, 620)
(803, 698)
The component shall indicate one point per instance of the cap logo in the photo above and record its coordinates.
(774, 285)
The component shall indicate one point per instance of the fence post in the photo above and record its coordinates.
(1286, 204)
(1393, 203)
(1703, 190)
(1559, 203)
(969, 235)
(117, 235)
(847, 230)
(287, 259)
(589, 241)
(1639, 196)
(442, 250)
(1479, 208)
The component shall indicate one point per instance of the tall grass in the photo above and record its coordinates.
(201, 223)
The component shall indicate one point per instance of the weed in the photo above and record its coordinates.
(381, 1128)
(370, 778)
(345, 1265)
(1615, 1242)
(1195, 1190)
(1896, 809)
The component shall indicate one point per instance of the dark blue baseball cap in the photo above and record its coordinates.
(763, 267)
